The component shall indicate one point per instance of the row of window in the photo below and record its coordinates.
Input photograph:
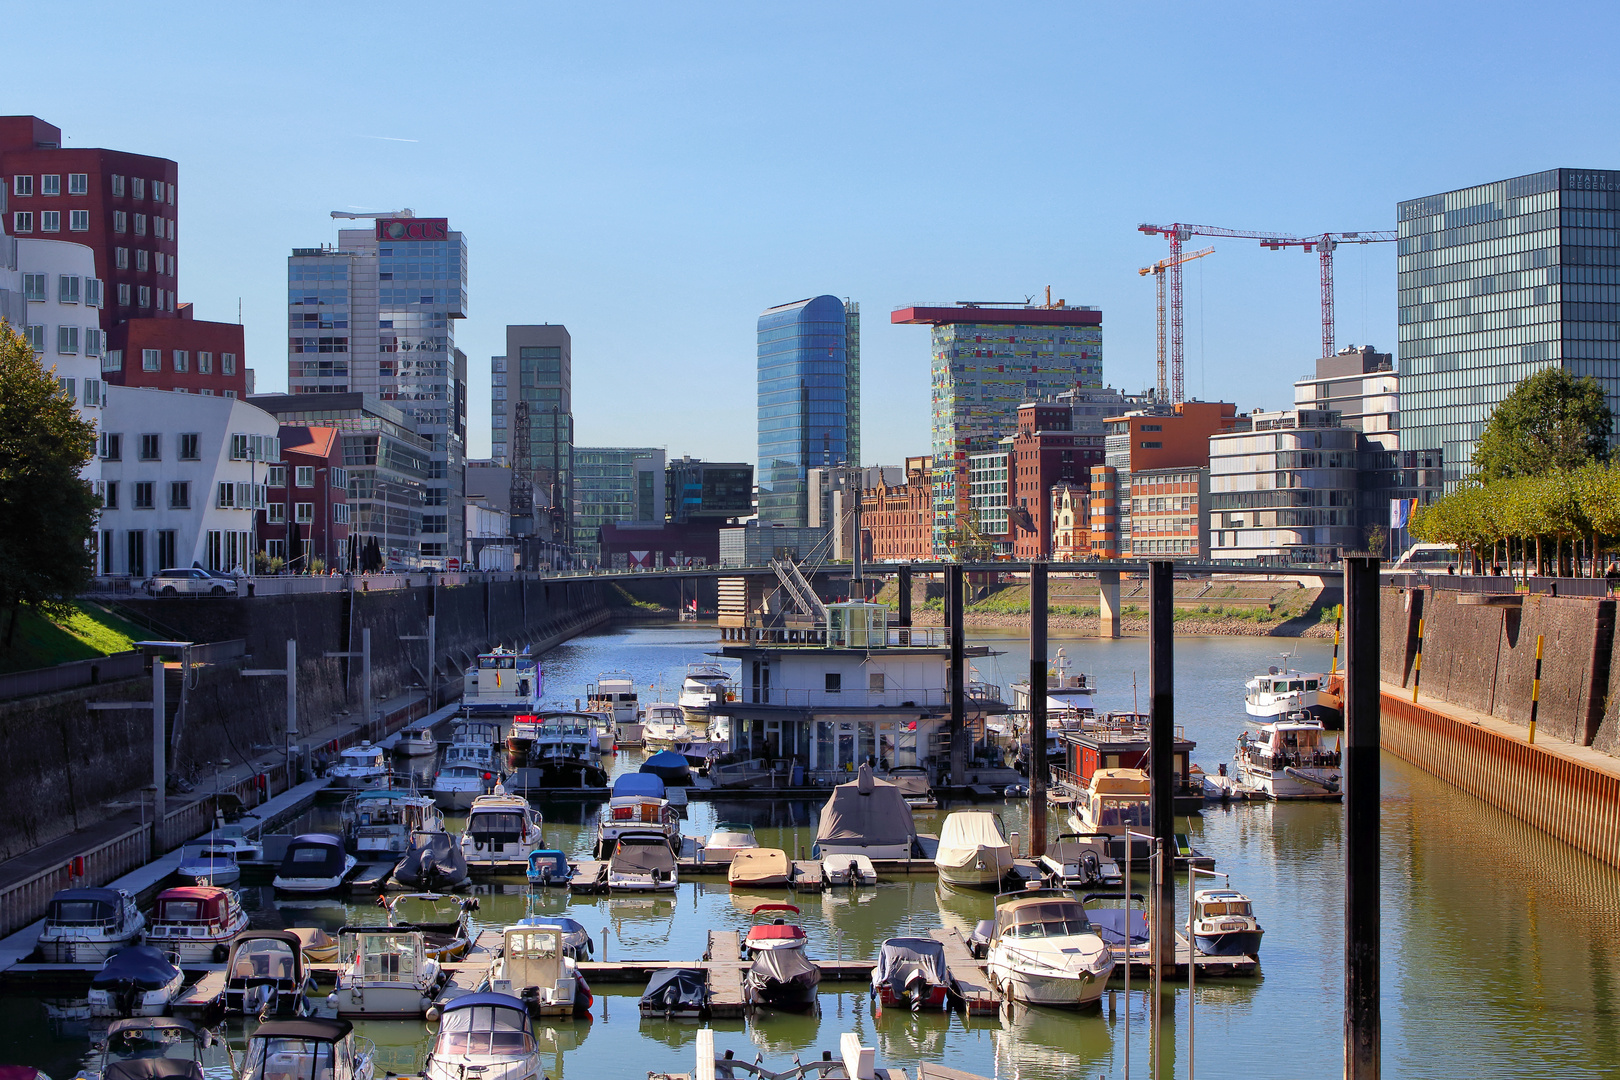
(127, 297)
(93, 392)
(162, 228)
(68, 339)
(78, 183)
(50, 221)
(303, 476)
(304, 513)
(70, 289)
(188, 446)
(180, 361)
(144, 260)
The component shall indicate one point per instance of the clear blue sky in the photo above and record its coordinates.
(654, 175)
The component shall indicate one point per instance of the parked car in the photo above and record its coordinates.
(189, 580)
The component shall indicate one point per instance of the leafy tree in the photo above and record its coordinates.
(47, 511)
(1550, 421)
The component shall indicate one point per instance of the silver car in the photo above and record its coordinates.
(189, 580)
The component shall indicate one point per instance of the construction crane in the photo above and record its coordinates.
(1324, 244)
(1157, 270)
(377, 214)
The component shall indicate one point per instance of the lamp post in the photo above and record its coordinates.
(323, 492)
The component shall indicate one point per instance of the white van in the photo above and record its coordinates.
(1428, 559)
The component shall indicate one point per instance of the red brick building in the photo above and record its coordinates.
(177, 354)
(897, 523)
(308, 513)
(1044, 454)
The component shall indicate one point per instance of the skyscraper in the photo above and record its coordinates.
(1497, 282)
(809, 400)
(532, 428)
(376, 315)
(986, 361)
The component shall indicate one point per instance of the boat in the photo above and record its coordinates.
(914, 785)
(1044, 951)
(547, 867)
(315, 863)
(501, 828)
(849, 870)
(240, 836)
(196, 923)
(1116, 802)
(576, 940)
(706, 686)
(1281, 691)
(520, 737)
(566, 734)
(779, 974)
(416, 742)
(1123, 740)
(1224, 924)
(379, 824)
(137, 981)
(867, 817)
(973, 852)
(1286, 760)
(1074, 861)
(209, 865)
(469, 731)
(502, 684)
(614, 694)
(638, 802)
(663, 724)
(486, 1036)
(308, 1049)
(642, 862)
(85, 926)
(728, 838)
(434, 863)
(1121, 921)
(1068, 704)
(670, 766)
(456, 786)
(386, 974)
(359, 768)
(150, 1048)
(441, 918)
(265, 974)
(677, 994)
(911, 973)
(534, 967)
(759, 867)
(318, 946)
(563, 765)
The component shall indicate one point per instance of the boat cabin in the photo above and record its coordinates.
(378, 955)
(265, 966)
(533, 957)
(614, 693)
(1121, 741)
(194, 911)
(304, 1049)
(502, 682)
(1040, 913)
(148, 1047)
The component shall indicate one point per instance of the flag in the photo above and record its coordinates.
(1399, 513)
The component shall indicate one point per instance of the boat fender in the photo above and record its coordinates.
(427, 1004)
(432, 1014)
(220, 953)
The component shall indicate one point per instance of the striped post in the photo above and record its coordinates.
(1338, 622)
(1417, 665)
(1535, 691)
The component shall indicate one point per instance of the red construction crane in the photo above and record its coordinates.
(1323, 244)
(1157, 270)
(1176, 234)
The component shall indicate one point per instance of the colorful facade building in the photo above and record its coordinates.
(1173, 437)
(1167, 507)
(307, 516)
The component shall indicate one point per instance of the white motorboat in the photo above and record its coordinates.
(315, 863)
(614, 693)
(638, 804)
(664, 725)
(137, 981)
(387, 974)
(867, 817)
(360, 767)
(1283, 690)
(380, 823)
(501, 828)
(1286, 759)
(315, 1048)
(206, 864)
(196, 923)
(1044, 951)
(534, 967)
(241, 837)
(728, 838)
(642, 862)
(1224, 924)
(1116, 802)
(416, 742)
(265, 974)
(845, 869)
(501, 685)
(456, 786)
(485, 1036)
(85, 926)
(973, 852)
(706, 687)
(1077, 862)
(914, 785)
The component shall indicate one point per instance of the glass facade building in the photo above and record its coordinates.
(1497, 282)
(616, 485)
(809, 400)
(532, 424)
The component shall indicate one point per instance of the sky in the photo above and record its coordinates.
(655, 175)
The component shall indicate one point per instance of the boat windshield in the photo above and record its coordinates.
(1057, 918)
(188, 910)
(264, 959)
(286, 1058)
(82, 912)
(484, 1029)
(486, 822)
(1233, 907)
(1125, 812)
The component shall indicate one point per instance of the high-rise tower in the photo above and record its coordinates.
(809, 400)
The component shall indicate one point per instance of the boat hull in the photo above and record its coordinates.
(929, 997)
(83, 950)
(1276, 783)
(792, 995)
(455, 799)
(1033, 988)
(226, 874)
(107, 1004)
(984, 868)
(1232, 943)
(381, 1002)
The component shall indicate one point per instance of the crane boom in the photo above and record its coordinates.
(1157, 270)
(344, 214)
(1324, 245)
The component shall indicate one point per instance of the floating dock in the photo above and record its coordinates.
(972, 980)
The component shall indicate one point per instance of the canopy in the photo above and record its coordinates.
(669, 765)
(152, 1023)
(641, 856)
(677, 988)
(88, 906)
(190, 904)
(434, 858)
(1109, 924)
(574, 935)
(313, 855)
(912, 780)
(901, 958)
(310, 1028)
(866, 813)
(640, 785)
(162, 1068)
(970, 829)
(139, 965)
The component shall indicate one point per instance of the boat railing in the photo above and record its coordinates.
(983, 694)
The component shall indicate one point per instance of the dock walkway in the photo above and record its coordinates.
(972, 980)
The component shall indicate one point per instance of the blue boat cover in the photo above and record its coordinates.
(639, 784)
(666, 759)
(140, 966)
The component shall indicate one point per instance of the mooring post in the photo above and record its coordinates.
(905, 596)
(1161, 751)
(1360, 769)
(160, 766)
(1037, 710)
(954, 615)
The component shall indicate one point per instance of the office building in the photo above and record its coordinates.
(375, 316)
(532, 429)
(618, 485)
(1163, 436)
(986, 361)
(809, 401)
(1359, 384)
(985, 528)
(716, 491)
(1167, 512)
(1496, 282)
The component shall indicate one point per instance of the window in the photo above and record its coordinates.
(190, 446)
(107, 552)
(304, 475)
(835, 682)
(169, 228)
(109, 498)
(50, 221)
(36, 337)
(305, 513)
(340, 513)
(50, 184)
(34, 287)
(78, 183)
(23, 222)
(92, 393)
(120, 221)
(145, 295)
(1152, 445)
(123, 295)
(276, 549)
(340, 479)
(92, 340)
(180, 495)
(151, 359)
(137, 187)
(67, 340)
(182, 360)
(255, 448)
(92, 292)
(205, 363)
(230, 393)
(113, 360)
(140, 224)
(225, 497)
(276, 476)
(169, 191)
(157, 191)
(22, 185)
(67, 289)
(141, 260)
(117, 185)
(276, 513)
(167, 543)
(227, 364)
(67, 387)
(79, 220)
(151, 448)
(143, 494)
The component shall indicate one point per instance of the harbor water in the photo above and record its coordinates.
(1501, 946)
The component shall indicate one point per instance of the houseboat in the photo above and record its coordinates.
(1280, 691)
(1122, 740)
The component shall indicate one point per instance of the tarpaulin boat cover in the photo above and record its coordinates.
(435, 860)
(670, 766)
(1109, 923)
(966, 831)
(643, 857)
(313, 855)
(639, 785)
(140, 966)
(783, 966)
(900, 957)
(867, 812)
(756, 866)
(574, 935)
(677, 989)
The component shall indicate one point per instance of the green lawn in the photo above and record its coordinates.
(91, 631)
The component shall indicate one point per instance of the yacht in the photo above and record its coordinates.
(501, 685)
(520, 738)
(501, 828)
(638, 803)
(320, 1048)
(728, 838)
(911, 973)
(416, 742)
(664, 725)
(576, 940)
(973, 852)
(1285, 759)
(265, 975)
(867, 817)
(456, 786)
(485, 1036)
(241, 837)
(360, 767)
(779, 974)
(707, 686)
(1044, 951)
(566, 751)
(642, 862)
(85, 926)
(380, 823)
(386, 974)
(535, 967)
(315, 863)
(614, 693)
(1283, 690)
(1116, 802)
(1224, 924)
(137, 981)
(207, 864)
(196, 923)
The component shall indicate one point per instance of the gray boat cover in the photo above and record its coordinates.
(783, 966)
(677, 989)
(1110, 923)
(901, 957)
(867, 812)
(641, 857)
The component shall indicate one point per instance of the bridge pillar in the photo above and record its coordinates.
(1108, 603)
(904, 618)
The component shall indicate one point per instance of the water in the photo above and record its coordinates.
(1501, 948)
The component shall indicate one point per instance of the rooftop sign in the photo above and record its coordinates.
(433, 228)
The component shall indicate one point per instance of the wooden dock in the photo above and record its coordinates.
(807, 876)
(371, 878)
(1209, 967)
(726, 969)
(590, 876)
(203, 999)
(972, 980)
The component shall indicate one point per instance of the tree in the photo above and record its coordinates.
(1551, 421)
(47, 511)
